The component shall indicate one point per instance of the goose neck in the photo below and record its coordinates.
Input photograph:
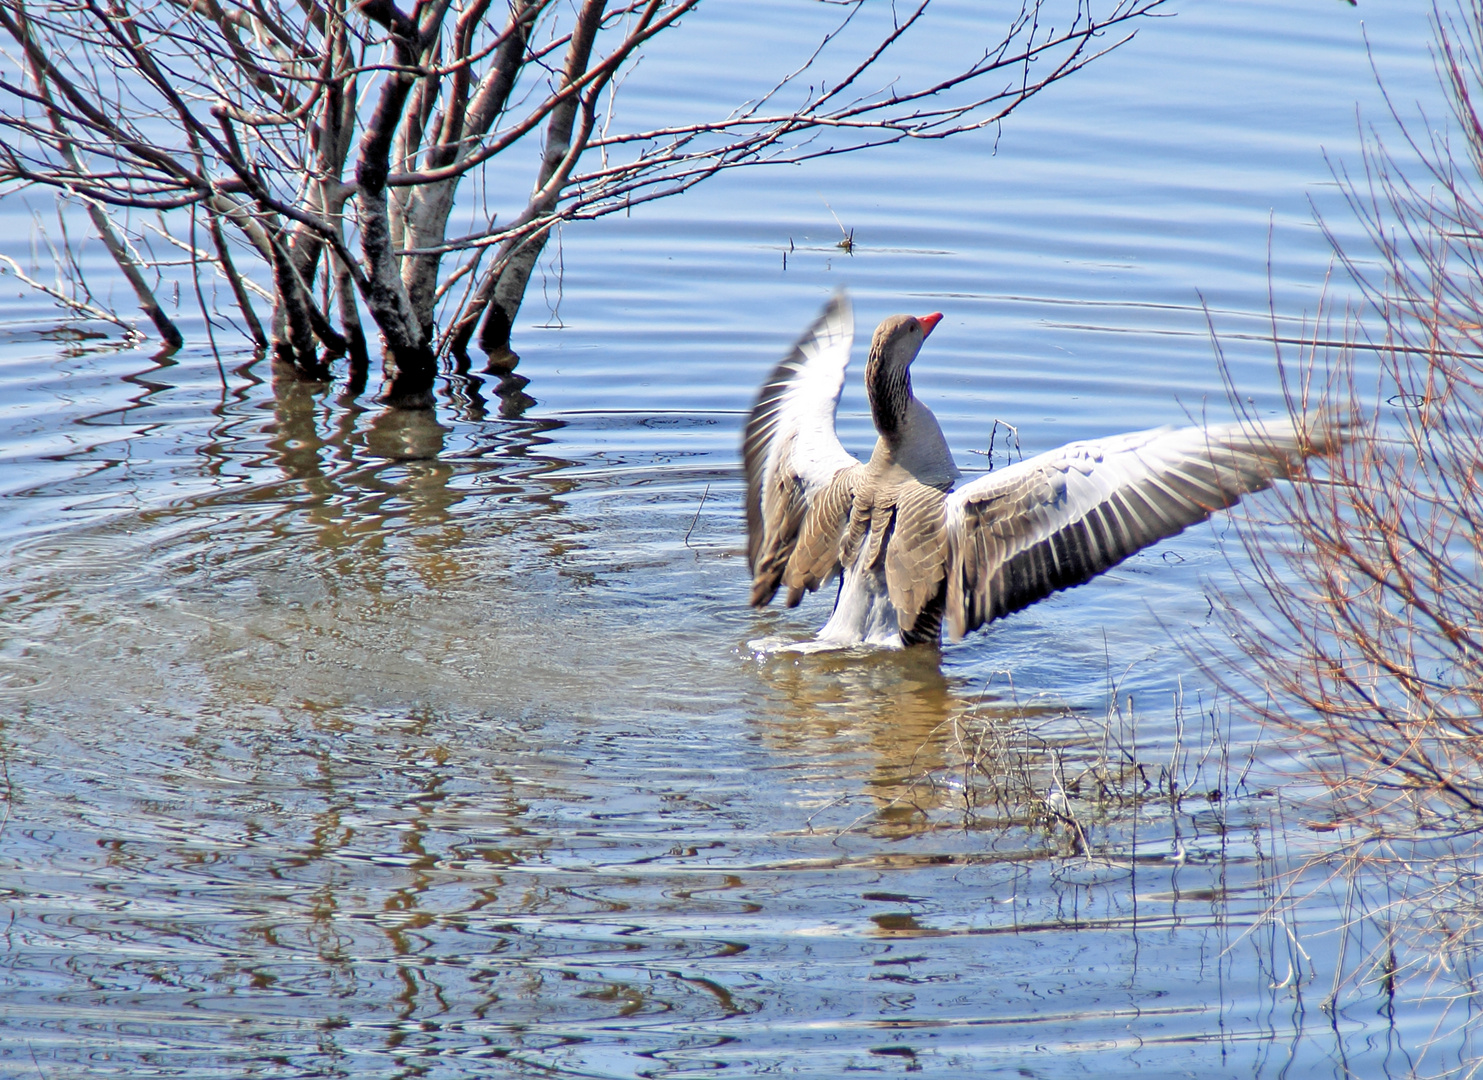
(889, 388)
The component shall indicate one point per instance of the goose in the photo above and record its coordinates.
(912, 551)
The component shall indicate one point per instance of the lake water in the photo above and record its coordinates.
(345, 744)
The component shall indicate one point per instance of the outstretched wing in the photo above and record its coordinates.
(1059, 519)
(792, 455)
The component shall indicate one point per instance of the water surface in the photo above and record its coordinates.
(340, 743)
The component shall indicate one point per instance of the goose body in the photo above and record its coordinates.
(913, 551)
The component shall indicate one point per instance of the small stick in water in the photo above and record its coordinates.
(696, 518)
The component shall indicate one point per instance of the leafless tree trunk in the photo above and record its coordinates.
(326, 141)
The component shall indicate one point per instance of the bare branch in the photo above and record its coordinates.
(250, 112)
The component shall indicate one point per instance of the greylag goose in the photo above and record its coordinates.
(914, 552)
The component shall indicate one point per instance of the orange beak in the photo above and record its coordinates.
(929, 321)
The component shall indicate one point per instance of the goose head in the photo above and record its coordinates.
(887, 372)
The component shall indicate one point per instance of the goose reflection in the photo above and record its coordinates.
(905, 748)
(881, 724)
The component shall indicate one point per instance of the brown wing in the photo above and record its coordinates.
(1061, 518)
(916, 562)
(792, 454)
(815, 557)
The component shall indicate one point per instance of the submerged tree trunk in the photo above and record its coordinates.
(509, 292)
(519, 254)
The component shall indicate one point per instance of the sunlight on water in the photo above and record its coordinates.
(344, 743)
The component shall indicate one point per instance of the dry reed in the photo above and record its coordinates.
(1356, 626)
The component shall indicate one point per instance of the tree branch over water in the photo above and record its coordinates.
(326, 143)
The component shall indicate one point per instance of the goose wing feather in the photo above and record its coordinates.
(791, 454)
(916, 562)
(1017, 535)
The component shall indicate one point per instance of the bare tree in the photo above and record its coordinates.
(1366, 626)
(312, 152)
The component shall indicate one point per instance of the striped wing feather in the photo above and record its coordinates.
(815, 555)
(916, 563)
(1059, 519)
(791, 454)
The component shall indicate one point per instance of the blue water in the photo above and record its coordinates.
(341, 743)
